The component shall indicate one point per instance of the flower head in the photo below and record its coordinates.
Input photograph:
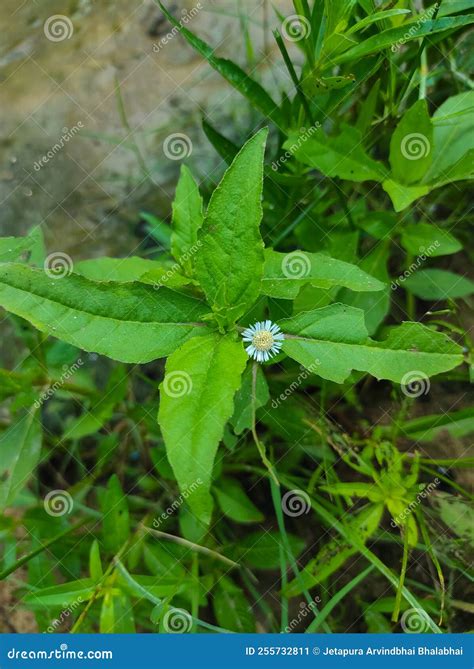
(264, 340)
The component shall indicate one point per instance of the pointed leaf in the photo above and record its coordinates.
(342, 156)
(410, 30)
(411, 145)
(336, 552)
(420, 238)
(234, 502)
(187, 219)
(116, 521)
(130, 323)
(229, 263)
(285, 273)
(196, 400)
(438, 284)
(336, 339)
(20, 447)
(11, 248)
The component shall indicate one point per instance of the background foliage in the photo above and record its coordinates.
(328, 489)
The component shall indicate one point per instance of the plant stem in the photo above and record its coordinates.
(259, 445)
(398, 597)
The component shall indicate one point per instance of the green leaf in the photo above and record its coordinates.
(438, 284)
(457, 515)
(130, 323)
(427, 428)
(460, 171)
(426, 238)
(121, 270)
(196, 401)
(453, 135)
(402, 196)
(334, 341)
(453, 6)
(373, 18)
(369, 490)
(234, 502)
(376, 306)
(410, 30)
(341, 156)
(158, 229)
(95, 563)
(229, 263)
(102, 410)
(231, 608)
(402, 516)
(411, 145)
(248, 87)
(11, 248)
(367, 109)
(133, 268)
(335, 553)
(285, 273)
(242, 417)
(261, 550)
(224, 147)
(187, 219)
(115, 521)
(107, 614)
(20, 448)
(61, 595)
(337, 13)
(124, 618)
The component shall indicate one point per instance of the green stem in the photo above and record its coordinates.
(334, 601)
(29, 556)
(259, 445)
(398, 597)
(289, 553)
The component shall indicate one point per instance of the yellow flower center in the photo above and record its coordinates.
(262, 340)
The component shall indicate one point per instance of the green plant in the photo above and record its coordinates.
(294, 279)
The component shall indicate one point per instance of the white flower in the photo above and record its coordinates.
(264, 339)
